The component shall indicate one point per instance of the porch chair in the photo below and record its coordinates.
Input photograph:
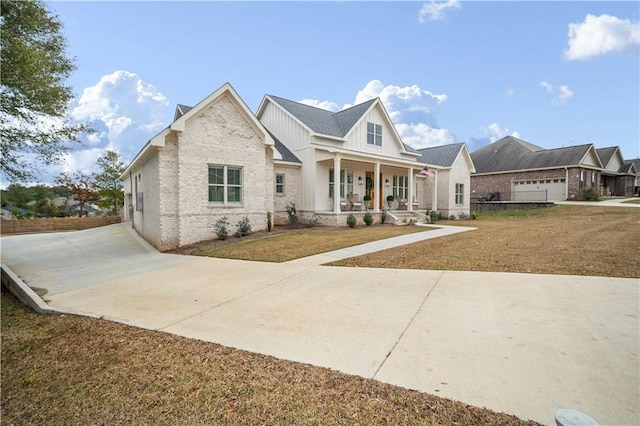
(402, 203)
(344, 205)
(354, 200)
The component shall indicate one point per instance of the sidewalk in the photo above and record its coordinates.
(517, 343)
(615, 202)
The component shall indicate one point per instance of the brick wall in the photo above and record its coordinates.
(221, 135)
(291, 193)
(55, 224)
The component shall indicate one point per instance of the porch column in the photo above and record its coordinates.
(434, 191)
(336, 184)
(376, 189)
(410, 192)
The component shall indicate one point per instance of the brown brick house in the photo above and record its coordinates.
(521, 171)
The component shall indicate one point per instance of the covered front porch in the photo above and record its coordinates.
(355, 183)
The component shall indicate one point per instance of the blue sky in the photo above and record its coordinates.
(552, 73)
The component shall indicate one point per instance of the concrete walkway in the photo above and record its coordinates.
(518, 343)
(614, 202)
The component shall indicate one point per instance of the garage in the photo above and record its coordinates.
(539, 190)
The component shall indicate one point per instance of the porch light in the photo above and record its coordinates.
(386, 182)
(359, 180)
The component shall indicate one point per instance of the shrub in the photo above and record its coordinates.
(588, 194)
(368, 218)
(434, 216)
(389, 198)
(474, 215)
(351, 220)
(292, 214)
(221, 228)
(383, 217)
(244, 227)
(268, 221)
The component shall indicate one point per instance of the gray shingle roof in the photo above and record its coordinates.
(443, 155)
(325, 122)
(628, 167)
(180, 111)
(511, 153)
(605, 154)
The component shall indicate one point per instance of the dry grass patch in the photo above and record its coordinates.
(573, 240)
(299, 243)
(59, 370)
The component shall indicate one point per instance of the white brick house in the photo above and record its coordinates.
(218, 160)
(214, 160)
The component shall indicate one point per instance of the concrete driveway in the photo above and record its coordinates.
(517, 343)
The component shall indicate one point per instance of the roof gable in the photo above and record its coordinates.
(320, 121)
(511, 153)
(443, 155)
(228, 90)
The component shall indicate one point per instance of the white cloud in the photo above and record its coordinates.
(494, 132)
(121, 100)
(422, 135)
(599, 35)
(510, 92)
(434, 11)
(413, 110)
(124, 111)
(329, 106)
(560, 96)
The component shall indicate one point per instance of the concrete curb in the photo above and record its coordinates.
(29, 297)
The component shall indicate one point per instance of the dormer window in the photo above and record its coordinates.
(374, 134)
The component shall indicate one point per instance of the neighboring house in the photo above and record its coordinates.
(636, 179)
(521, 171)
(453, 179)
(9, 212)
(219, 160)
(618, 175)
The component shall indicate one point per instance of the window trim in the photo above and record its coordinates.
(280, 185)
(459, 194)
(346, 182)
(400, 186)
(374, 134)
(225, 185)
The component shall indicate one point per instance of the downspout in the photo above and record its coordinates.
(131, 209)
(566, 182)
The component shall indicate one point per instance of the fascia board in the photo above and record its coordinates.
(156, 142)
(359, 156)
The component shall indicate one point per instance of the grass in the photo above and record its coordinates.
(63, 370)
(307, 242)
(565, 239)
(571, 240)
(636, 201)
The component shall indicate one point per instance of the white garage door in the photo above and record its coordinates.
(539, 190)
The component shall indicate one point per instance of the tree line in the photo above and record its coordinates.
(104, 189)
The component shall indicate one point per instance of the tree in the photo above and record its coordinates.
(109, 183)
(35, 128)
(82, 186)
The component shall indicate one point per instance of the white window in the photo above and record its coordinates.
(400, 186)
(593, 178)
(374, 134)
(348, 184)
(279, 183)
(582, 179)
(459, 193)
(225, 185)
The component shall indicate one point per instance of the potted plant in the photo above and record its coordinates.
(390, 200)
(367, 200)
